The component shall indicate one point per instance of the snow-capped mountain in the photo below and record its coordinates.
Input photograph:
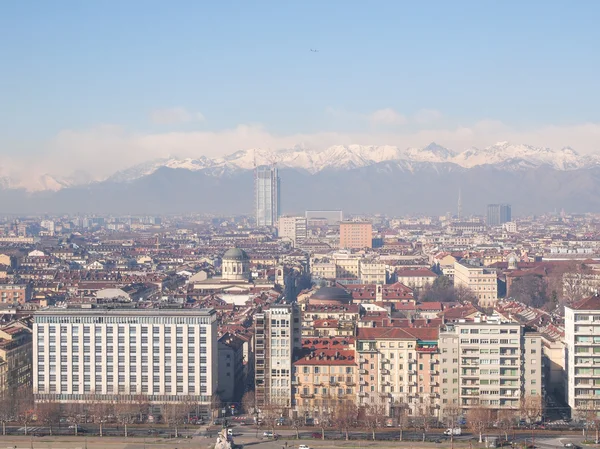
(503, 155)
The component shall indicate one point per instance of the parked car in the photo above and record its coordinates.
(303, 446)
(269, 434)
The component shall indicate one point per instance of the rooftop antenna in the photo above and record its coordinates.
(459, 204)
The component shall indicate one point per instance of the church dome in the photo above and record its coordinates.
(235, 254)
(331, 295)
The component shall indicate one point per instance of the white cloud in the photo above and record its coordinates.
(387, 116)
(175, 115)
(427, 116)
(104, 149)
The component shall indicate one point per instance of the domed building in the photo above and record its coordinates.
(235, 265)
(330, 296)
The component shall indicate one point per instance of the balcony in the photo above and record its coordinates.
(363, 394)
(363, 383)
(335, 383)
(385, 371)
(307, 396)
(363, 371)
(434, 395)
(427, 348)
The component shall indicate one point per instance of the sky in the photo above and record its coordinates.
(97, 86)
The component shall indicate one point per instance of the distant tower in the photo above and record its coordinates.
(459, 205)
(266, 193)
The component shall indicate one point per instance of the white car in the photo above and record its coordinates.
(303, 446)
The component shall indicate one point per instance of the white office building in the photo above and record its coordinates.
(108, 354)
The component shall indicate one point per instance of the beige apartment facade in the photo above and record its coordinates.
(356, 235)
(482, 281)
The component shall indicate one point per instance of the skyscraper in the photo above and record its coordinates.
(266, 192)
(498, 214)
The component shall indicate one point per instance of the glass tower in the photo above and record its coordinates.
(266, 191)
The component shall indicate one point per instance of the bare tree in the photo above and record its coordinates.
(100, 410)
(423, 418)
(452, 413)
(175, 413)
(48, 412)
(326, 420)
(142, 404)
(401, 414)
(215, 405)
(24, 407)
(346, 416)
(249, 402)
(532, 408)
(506, 421)
(374, 416)
(479, 419)
(125, 410)
(6, 411)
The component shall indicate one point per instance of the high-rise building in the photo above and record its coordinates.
(582, 337)
(292, 228)
(492, 364)
(277, 335)
(330, 217)
(356, 235)
(498, 214)
(107, 354)
(266, 191)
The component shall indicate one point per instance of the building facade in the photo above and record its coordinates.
(267, 198)
(492, 364)
(356, 235)
(277, 336)
(165, 355)
(582, 337)
(292, 228)
(482, 281)
(498, 214)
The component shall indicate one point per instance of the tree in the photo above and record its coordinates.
(400, 411)
(124, 410)
(593, 420)
(100, 410)
(249, 402)
(175, 413)
(7, 411)
(215, 405)
(24, 407)
(142, 406)
(374, 416)
(532, 408)
(479, 419)
(49, 413)
(346, 416)
(423, 417)
(506, 421)
(452, 413)
(326, 419)
(529, 290)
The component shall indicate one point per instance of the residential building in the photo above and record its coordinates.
(399, 368)
(231, 380)
(356, 235)
(277, 336)
(15, 293)
(293, 229)
(323, 379)
(373, 272)
(415, 278)
(16, 356)
(491, 363)
(582, 340)
(498, 214)
(482, 281)
(330, 217)
(267, 197)
(167, 355)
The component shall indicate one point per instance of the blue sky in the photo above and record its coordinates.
(198, 77)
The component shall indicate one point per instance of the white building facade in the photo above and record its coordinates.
(165, 355)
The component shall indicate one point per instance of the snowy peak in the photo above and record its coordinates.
(504, 156)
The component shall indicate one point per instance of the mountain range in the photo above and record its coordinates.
(356, 178)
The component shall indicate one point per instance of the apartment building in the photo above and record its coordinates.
(491, 363)
(373, 272)
(582, 355)
(231, 380)
(415, 278)
(277, 336)
(482, 281)
(398, 367)
(164, 354)
(15, 358)
(15, 293)
(292, 228)
(356, 235)
(323, 379)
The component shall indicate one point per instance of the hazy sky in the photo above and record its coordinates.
(98, 85)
